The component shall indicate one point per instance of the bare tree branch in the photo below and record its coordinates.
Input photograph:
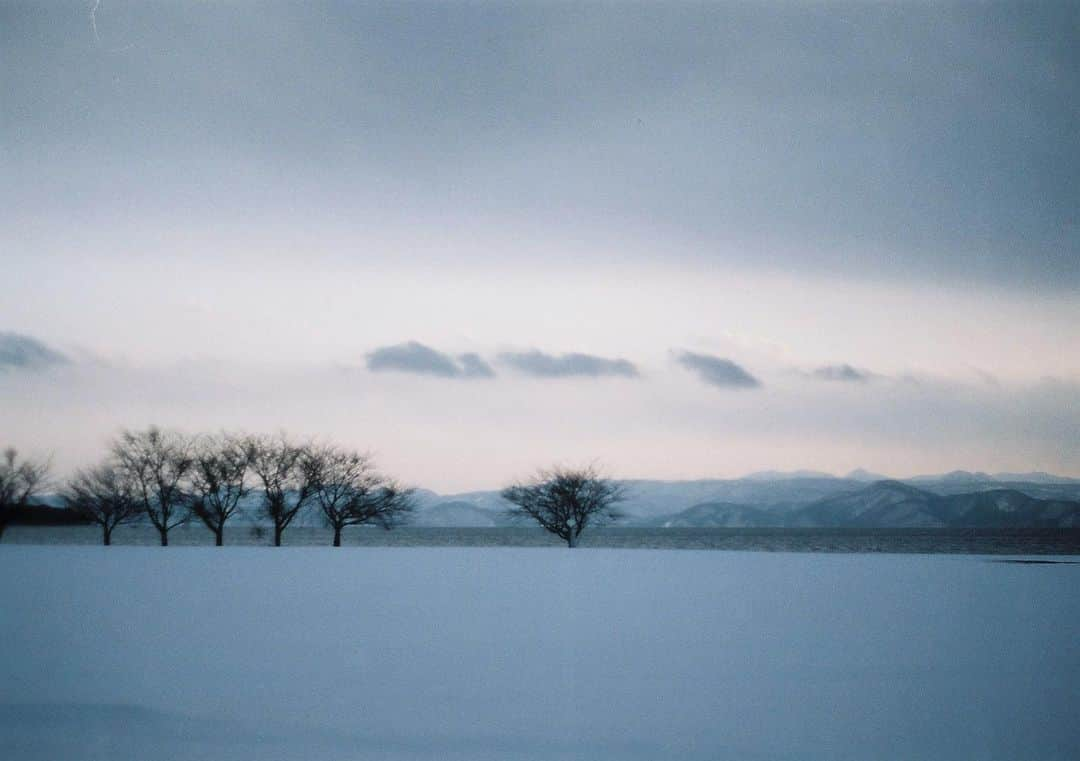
(158, 464)
(564, 501)
(20, 481)
(106, 495)
(350, 492)
(218, 480)
(286, 472)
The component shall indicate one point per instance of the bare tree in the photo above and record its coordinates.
(286, 472)
(20, 481)
(565, 501)
(105, 495)
(158, 464)
(350, 492)
(218, 481)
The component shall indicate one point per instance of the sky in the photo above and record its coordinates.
(679, 240)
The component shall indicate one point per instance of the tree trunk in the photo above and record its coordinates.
(219, 536)
(571, 539)
(106, 535)
(278, 531)
(3, 525)
(337, 536)
(164, 536)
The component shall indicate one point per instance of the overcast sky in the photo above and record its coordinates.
(682, 240)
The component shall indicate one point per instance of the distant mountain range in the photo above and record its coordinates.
(891, 504)
(805, 499)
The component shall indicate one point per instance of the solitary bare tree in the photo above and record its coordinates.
(565, 501)
(105, 495)
(349, 491)
(158, 464)
(286, 472)
(21, 480)
(218, 481)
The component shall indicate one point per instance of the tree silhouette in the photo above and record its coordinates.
(565, 501)
(218, 481)
(286, 472)
(105, 495)
(21, 480)
(157, 463)
(350, 492)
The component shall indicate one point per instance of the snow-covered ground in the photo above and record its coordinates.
(314, 653)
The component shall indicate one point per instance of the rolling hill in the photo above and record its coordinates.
(893, 504)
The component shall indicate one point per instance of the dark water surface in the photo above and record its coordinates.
(957, 541)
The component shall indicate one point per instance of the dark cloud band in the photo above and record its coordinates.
(843, 373)
(23, 352)
(717, 371)
(414, 357)
(541, 365)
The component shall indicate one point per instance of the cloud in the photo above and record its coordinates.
(541, 365)
(25, 353)
(632, 107)
(415, 357)
(844, 373)
(472, 366)
(717, 371)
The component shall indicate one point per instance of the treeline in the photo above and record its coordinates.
(169, 478)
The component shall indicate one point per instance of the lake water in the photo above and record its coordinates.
(956, 541)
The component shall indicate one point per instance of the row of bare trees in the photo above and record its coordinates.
(169, 478)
